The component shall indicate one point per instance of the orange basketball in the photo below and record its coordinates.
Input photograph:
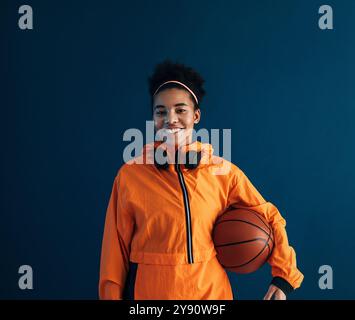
(243, 240)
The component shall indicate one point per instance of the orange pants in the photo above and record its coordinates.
(198, 281)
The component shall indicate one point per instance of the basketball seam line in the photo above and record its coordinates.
(244, 222)
(240, 242)
(242, 265)
(258, 216)
(260, 252)
(266, 225)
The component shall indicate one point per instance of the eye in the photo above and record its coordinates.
(180, 111)
(159, 112)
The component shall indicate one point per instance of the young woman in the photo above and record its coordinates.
(157, 241)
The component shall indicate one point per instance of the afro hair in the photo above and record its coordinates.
(168, 70)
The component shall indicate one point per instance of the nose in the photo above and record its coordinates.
(171, 118)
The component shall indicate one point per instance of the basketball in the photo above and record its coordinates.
(243, 240)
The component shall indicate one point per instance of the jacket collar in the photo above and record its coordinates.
(206, 150)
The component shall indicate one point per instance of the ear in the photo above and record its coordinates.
(197, 116)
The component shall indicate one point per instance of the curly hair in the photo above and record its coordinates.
(168, 70)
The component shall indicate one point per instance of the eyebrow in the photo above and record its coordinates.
(181, 104)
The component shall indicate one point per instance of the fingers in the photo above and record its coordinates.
(279, 295)
(270, 293)
(275, 294)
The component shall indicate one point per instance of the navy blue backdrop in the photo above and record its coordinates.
(78, 80)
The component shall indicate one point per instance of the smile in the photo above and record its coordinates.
(175, 130)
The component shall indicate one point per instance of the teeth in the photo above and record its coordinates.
(173, 130)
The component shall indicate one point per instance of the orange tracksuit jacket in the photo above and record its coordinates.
(157, 241)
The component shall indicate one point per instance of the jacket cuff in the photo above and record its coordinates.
(282, 284)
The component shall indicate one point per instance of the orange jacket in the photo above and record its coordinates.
(147, 220)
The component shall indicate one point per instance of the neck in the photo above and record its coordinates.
(177, 144)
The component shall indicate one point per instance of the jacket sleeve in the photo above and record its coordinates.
(284, 270)
(118, 231)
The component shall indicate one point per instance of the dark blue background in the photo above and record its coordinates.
(75, 83)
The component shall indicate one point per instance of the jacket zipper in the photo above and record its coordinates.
(190, 257)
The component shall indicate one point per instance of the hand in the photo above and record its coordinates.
(274, 293)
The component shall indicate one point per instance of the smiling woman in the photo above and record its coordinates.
(175, 115)
(176, 92)
(157, 241)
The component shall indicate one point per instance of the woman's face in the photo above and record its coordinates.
(173, 112)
